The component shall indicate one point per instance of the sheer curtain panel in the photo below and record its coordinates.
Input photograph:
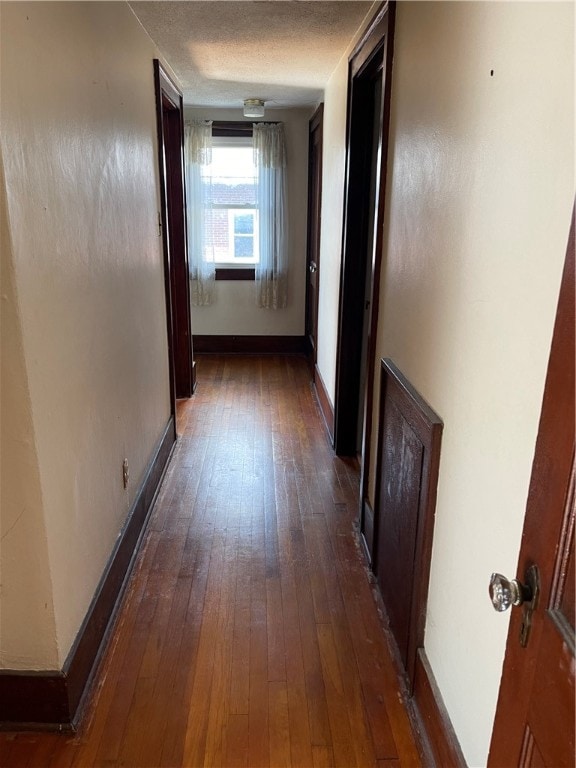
(198, 156)
(272, 270)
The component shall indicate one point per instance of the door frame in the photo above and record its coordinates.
(315, 129)
(172, 223)
(549, 485)
(375, 48)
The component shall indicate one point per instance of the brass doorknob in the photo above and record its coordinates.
(505, 592)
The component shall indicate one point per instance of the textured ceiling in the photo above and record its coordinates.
(224, 52)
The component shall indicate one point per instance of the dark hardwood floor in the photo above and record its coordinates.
(249, 635)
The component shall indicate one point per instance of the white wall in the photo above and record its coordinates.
(234, 310)
(480, 191)
(85, 299)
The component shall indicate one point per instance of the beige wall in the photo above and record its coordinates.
(26, 597)
(333, 171)
(88, 360)
(234, 310)
(481, 185)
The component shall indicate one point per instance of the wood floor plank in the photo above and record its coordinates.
(181, 691)
(240, 673)
(342, 739)
(258, 748)
(300, 736)
(322, 757)
(236, 754)
(315, 691)
(278, 725)
(365, 746)
(218, 710)
(197, 722)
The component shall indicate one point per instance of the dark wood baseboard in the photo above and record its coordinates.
(431, 718)
(235, 274)
(54, 699)
(325, 405)
(250, 345)
(34, 700)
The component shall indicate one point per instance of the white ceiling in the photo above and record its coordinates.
(224, 52)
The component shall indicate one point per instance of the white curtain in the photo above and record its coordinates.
(198, 156)
(272, 270)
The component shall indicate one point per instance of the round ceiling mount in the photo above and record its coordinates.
(253, 108)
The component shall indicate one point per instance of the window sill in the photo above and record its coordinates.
(233, 273)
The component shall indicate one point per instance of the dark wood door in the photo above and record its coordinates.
(534, 724)
(314, 218)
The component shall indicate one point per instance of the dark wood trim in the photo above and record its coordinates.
(373, 55)
(324, 402)
(232, 128)
(55, 699)
(236, 127)
(173, 225)
(370, 39)
(250, 345)
(163, 225)
(397, 392)
(34, 700)
(232, 273)
(386, 17)
(431, 718)
(313, 231)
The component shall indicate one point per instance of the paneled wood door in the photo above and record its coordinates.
(534, 724)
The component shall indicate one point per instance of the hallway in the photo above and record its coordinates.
(249, 635)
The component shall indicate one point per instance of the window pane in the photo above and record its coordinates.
(243, 246)
(244, 224)
(232, 177)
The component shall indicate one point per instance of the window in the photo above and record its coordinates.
(236, 208)
(232, 227)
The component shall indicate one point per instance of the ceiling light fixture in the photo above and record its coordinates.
(253, 108)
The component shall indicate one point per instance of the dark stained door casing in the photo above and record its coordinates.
(314, 218)
(368, 112)
(169, 112)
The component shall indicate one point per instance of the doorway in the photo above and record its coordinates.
(169, 112)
